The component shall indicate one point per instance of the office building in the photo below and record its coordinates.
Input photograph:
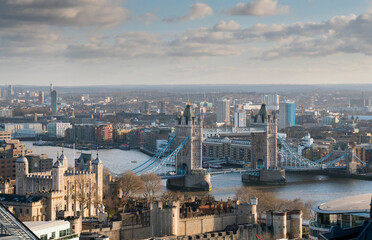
(344, 214)
(287, 114)
(272, 101)
(240, 118)
(19, 130)
(57, 229)
(223, 111)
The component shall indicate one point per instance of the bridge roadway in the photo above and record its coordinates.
(311, 169)
(171, 175)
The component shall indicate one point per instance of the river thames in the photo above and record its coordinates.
(317, 188)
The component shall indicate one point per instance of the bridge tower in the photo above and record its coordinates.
(264, 144)
(189, 160)
(190, 157)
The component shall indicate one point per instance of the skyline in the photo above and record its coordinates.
(115, 42)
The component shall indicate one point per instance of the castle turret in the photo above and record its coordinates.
(98, 170)
(63, 160)
(295, 231)
(280, 225)
(21, 172)
(254, 202)
(58, 171)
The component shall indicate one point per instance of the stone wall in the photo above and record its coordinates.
(199, 225)
(276, 175)
(134, 232)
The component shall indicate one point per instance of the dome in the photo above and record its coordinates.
(22, 159)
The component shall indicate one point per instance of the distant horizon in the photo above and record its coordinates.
(194, 84)
(206, 88)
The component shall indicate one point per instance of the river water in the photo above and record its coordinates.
(317, 188)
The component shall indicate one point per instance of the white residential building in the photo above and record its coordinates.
(58, 129)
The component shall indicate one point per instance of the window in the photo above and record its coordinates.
(43, 237)
(62, 233)
(53, 235)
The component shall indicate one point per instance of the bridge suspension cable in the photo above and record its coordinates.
(166, 160)
(155, 157)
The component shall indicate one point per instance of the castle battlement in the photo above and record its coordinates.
(38, 176)
(77, 172)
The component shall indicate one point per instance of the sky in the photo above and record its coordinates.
(155, 42)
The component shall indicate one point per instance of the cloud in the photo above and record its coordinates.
(147, 18)
(259, 8)
(226, 26)
(197, 11)
(62, 12)
(29, 41)
(341, 34)
(126, 45)
(200, 42)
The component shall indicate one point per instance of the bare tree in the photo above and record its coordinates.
(84, 193)
(129, 185)
(152, 186)
(172, 196)
(267, 201)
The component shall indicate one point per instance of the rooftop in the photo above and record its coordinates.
(40, 225)
(358, 203)
(19, 198)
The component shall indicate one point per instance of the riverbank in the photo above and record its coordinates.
(319, 188)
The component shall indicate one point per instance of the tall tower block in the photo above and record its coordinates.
(189, 160)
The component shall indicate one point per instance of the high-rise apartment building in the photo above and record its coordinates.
(272, 101)
(287, 114)
(145, 107)
(240, 118)
(223, 111)
(10, 92)
(41, 97)
(53, 100)
(163, 107)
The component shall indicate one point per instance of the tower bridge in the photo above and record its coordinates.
(183, 166)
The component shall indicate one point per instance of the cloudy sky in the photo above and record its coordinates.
(110, 42)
